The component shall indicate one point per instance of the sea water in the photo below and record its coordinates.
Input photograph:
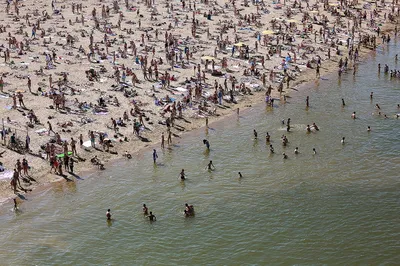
(337, 207)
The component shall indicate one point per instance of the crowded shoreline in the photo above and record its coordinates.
(128, 142)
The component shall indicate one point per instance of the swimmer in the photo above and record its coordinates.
(377, 106)
(342, 141)
(145, 210)
(296, 151)
(267, 138)
(283, 121)
(353, 115)
(210, 166)
(240, 174)
(371, 95)
(314, 151)
(308, 129)
(255, 134)
(207, 143)
(315, 127)
(189, 210)
(182, 175)
(108, 214)
(368, 129)
(152, 217)
(284, 156)
(271, 149)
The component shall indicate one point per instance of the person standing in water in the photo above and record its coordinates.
(267, 138)
(152, 217)
(296, 151)
(162, 141)
(353, 115)
(108, 215)
(271, 149)
(314, 151)
(145, 210)
(240, 174)
(210, 166)
(207, 143)
(342, 141)
(155, 156)
(255, 134)
(182, 175)
(343, 103)
(308, 102)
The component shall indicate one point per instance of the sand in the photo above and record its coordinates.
(217, 20)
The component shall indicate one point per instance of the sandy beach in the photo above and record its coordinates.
(116, 67)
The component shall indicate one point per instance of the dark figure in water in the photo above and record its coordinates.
(207, 143)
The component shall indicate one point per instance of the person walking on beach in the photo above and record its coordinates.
(1, 84)
(21, 100)
(29, 84)
(15, 180)
(155, 156)
(73, 146)
(71, 165)
(92, 139)
(162, 140)
(169, 140)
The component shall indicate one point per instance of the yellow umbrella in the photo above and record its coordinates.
(239, 44)
(207, 58)
(268, 32)
(292, 21)
(20, 91)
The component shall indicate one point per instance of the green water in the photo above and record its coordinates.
(338, 207)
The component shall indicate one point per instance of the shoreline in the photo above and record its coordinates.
(250, 102)
(135, 146)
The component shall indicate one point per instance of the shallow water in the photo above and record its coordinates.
(340, 206)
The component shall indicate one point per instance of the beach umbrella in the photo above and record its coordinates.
(239, 44)
(21, 91)
(333, 4)
(314, 11)
(268, 32)
(292, 21)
